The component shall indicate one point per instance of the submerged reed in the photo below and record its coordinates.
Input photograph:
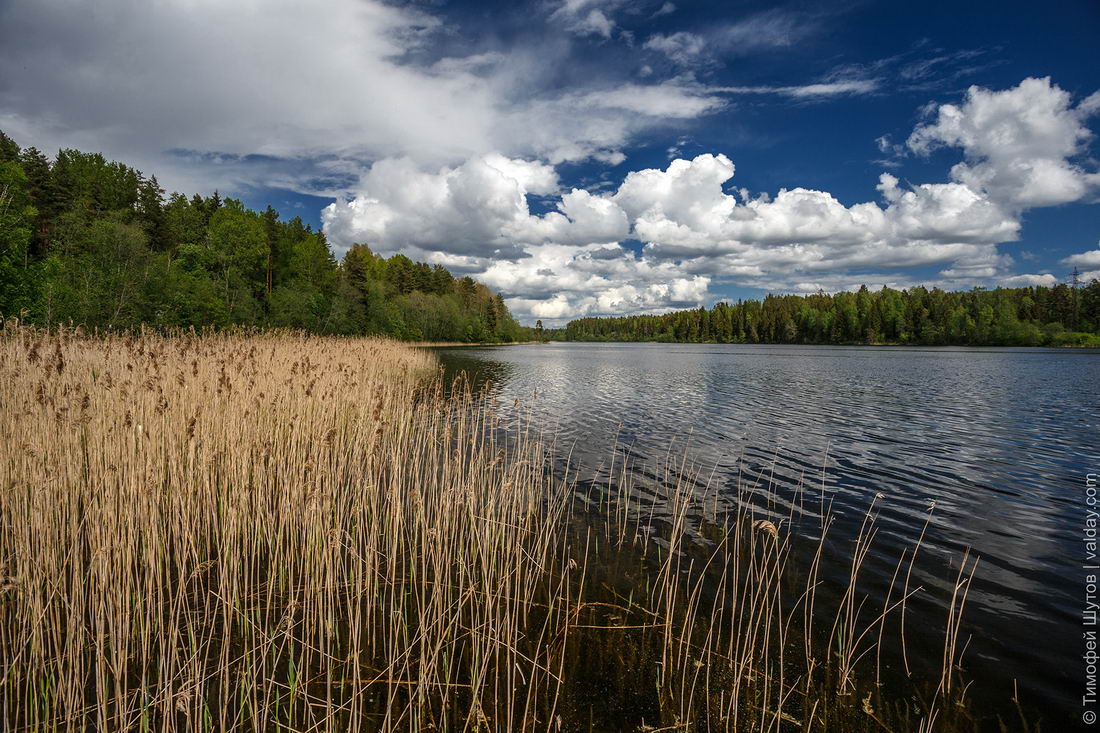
(288, 532)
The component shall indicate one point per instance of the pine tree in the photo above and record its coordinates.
(1075, 283)
(44, 194)
(151, 208)
(9, 149)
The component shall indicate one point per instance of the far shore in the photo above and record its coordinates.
(449, 344)
(898, 345)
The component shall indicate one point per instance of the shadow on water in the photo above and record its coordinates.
(996, 439)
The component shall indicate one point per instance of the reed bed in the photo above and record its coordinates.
(282, 532)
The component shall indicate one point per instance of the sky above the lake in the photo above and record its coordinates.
(601, 157)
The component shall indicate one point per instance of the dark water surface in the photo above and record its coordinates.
(1000, 439)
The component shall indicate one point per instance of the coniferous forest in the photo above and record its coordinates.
(96, 243)
(1063, 315)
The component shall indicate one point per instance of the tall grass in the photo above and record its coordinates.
(286, 532)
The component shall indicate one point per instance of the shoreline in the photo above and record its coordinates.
(459, 344)
(894, 345)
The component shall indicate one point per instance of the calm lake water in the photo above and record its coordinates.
(1000, 439)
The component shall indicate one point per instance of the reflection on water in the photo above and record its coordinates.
(999, 439)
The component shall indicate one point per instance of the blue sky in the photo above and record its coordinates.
(591, 157)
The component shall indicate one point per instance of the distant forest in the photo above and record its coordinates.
(96, 243)
(1062, 315)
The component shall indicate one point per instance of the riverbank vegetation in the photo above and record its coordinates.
(96, 243)
(278, 531)
(1033, 316)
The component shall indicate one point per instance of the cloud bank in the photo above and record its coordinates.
(1018, 147)
(273, 88)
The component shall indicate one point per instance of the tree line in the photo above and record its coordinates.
(96, 243)
(1062, 315)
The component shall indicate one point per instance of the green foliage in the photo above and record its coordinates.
(101, 275)
(1001, 317)
(9, 149)
(87, 241)
(20, 276)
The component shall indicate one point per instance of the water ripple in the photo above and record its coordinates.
(1000, 439)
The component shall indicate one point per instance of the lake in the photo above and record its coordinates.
(1000, 439)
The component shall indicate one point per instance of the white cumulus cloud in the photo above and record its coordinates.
(682, 212)
(1084, 259)
(559, 282)
(476, 209)
(1018, 143)
(1044, 280)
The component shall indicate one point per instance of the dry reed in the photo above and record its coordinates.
(286, 532)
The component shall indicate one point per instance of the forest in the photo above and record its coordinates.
(1063, 315)
(95, 243)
